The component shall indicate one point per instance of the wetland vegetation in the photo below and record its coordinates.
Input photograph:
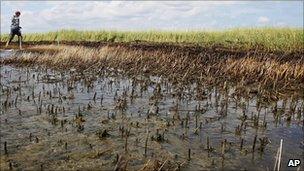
(153, 100)
(269, 39)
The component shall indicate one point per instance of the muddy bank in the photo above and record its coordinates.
(188, 49)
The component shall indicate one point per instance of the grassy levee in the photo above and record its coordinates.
(268, 39)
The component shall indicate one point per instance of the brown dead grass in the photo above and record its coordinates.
(260, 73)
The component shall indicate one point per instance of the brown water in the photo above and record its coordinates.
(55, 120)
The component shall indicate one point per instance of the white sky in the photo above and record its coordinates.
(41, 16)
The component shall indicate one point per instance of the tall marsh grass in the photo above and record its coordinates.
(274, 39)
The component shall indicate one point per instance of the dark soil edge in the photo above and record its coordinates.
(181, 48)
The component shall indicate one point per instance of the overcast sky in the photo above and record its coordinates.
(39, 16)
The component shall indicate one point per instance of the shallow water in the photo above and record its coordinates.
(54, 120)
(6, 53)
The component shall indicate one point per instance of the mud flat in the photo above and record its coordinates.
(117, 107)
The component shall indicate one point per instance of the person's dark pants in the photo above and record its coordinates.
(15, 31)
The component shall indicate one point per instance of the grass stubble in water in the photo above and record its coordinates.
(109, 119)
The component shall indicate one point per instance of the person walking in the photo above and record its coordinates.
(15, 29)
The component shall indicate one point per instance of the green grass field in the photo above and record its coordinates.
(274, 39)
